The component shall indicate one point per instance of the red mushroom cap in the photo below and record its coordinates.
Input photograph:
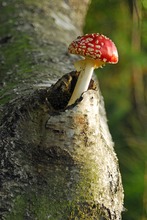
(95, 46)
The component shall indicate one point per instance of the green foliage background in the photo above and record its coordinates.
(124, 87)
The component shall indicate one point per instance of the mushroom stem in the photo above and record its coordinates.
(86, 68)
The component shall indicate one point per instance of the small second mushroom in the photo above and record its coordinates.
(97, 50)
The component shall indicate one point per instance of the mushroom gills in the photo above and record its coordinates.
(86, 68)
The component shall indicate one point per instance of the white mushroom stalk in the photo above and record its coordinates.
(86, 68)
(97, 50)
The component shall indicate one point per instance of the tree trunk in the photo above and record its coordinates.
(56, 162)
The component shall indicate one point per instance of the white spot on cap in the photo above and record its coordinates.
(88, 54)
(98, 46)
(90, 49)
(91, 45)
(83, 46)
(104, 59)
(97, 51)
(89, 39)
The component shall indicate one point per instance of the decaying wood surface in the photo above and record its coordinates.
(56, 162)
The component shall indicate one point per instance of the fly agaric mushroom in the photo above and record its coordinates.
(97, 50)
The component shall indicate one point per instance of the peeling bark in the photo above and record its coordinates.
(56, 162)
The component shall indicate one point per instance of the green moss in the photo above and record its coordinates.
(13, 50)
(18, 213)
(15, 54)
(4, 93)
(39, 207)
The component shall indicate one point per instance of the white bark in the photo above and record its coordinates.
(84, 135)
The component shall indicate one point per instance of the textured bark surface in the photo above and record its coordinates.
(56, 162)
